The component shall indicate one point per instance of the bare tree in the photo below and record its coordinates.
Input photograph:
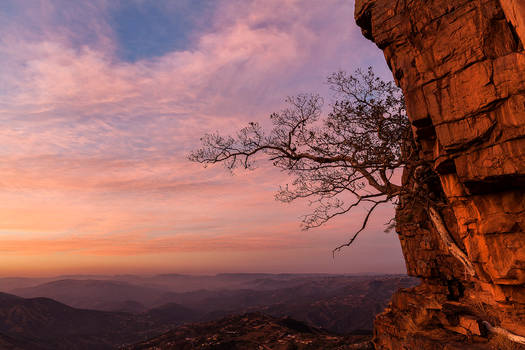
(340, 161)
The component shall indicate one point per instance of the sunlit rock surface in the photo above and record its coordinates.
(461, 65)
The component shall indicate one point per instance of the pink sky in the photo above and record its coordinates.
(93, 169)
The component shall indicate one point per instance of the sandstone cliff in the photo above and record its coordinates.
(461, 65)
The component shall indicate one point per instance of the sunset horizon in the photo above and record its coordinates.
(101, 104)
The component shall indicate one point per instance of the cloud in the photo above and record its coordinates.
(93, 147)
(136, 243)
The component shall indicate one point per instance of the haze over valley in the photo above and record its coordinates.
(78, 312)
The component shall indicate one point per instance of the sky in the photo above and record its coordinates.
(100, 103)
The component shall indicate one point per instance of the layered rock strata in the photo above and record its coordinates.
(461, 65)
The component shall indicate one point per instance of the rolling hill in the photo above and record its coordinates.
(42, 323)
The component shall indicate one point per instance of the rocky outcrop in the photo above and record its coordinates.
(461, 65)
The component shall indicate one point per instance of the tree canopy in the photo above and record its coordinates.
(338, 161)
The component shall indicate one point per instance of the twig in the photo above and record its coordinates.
(365, 222)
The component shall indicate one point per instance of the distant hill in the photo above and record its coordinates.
(42, 323)
(172, 314)
(104, 295)
(251, 331)
(348, 308)
(7, 284)
(339, 303)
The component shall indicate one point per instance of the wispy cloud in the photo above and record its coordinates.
(92, 147)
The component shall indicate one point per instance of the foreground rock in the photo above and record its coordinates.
(251, 332)
(461, 65)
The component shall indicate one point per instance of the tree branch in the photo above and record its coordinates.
(363, 226)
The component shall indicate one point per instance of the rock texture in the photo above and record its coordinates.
(461, 65)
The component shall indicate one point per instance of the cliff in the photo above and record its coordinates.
(461, 65)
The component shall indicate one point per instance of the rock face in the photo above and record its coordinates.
(461, 65)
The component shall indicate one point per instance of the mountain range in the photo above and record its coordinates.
(98, 312)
